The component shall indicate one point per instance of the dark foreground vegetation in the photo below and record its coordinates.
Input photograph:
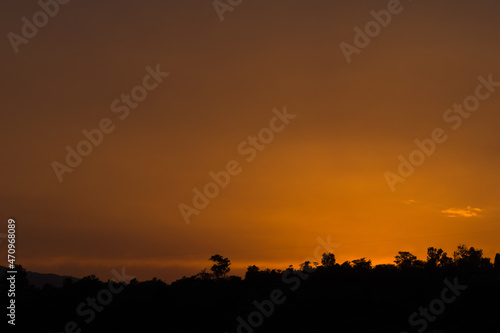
(441, 294)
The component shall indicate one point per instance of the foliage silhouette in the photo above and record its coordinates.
(328, 260)
(351, 297)
(221, 266)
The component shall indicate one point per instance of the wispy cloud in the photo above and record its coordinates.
(409, 202)
(467, 212)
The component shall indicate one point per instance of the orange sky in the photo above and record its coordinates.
(322, 175)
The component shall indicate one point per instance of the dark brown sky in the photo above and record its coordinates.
(323, 174)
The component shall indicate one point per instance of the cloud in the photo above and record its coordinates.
(467, 212)
(409, 202)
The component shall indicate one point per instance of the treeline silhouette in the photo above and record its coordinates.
(440, 294)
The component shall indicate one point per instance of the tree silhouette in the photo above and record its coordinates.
(328, 260)
(252, 272)
(346, 265)
(437, 258)
(470, 258)
(204, 275)
(362, 263)
(21, 277)
(497, 262)
(307, 266)
(406, 260)
(221, 266)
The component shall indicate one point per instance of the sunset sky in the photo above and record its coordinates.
(323, 174)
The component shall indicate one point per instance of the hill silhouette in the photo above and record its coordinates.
(38, 280)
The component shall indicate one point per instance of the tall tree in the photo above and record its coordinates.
(221, 266)
(497, 262)
(328, 260)
(437, 258)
